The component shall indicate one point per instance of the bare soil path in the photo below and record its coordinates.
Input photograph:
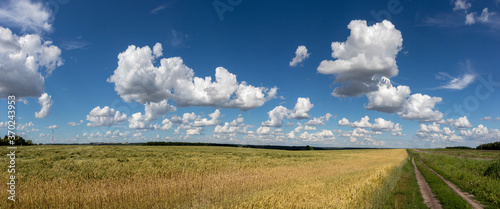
(467, 197)
(429, 197)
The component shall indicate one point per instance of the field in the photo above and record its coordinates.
(468, 170)
(463, 153)
(203, 177)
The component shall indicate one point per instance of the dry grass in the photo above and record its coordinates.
(201, 177)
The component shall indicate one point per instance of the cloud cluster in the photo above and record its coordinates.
(368, 54)
(380, 125)
(421, 107)
(460, 123)
(364, 64)
(387, 98)
(22, 59)
(152, 111)
(137, 78)
(27, 15)
(75, 123)
(105, 117)
(364, 131)
(46, 102)
(398, 100)
(481, 133)
(300, 111)
(484, 17)
(190, 122)
(300, 56)
(435, 134)
(318, 136)
(233, 127)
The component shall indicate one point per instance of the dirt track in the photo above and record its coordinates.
(467, 197)
(429, 197)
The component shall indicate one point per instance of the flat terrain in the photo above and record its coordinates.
(472, 175)
(202, 177)
(464, 153)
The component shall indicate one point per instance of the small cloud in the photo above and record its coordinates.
(75, 123)
(300, 56)
(486, 118)
(52, 127)
(159, 8)
(461, 5)
(46, 101)
(457, 83)
(470, 19)
(177, 39)
(71, 45)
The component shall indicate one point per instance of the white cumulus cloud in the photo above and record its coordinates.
(363, 123)
(276, 117)
(105, 117)
(300, 56)
(319, 121)
(344, 122)
(421, 107)
(368, 53)
(46, 102)
(137, 78)
(22, 58)
(481, 133)
(301, 109)
(460, 123)
(387, 98)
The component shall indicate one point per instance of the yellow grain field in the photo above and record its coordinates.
(201, 177)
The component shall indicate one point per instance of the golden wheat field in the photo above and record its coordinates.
(201, 177)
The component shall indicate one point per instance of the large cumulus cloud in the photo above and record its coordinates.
(22, 60)
(369, 52)
(137, 78)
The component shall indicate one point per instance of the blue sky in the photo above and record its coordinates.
(392, 73)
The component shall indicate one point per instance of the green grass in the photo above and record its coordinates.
(480, 154)
(469, 175)
(406, 193)
(447, 197)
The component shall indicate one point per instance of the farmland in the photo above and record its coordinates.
(202, 177)
(467, 169)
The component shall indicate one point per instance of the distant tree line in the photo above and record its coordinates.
(229, 145)
(18, 140)
(459, 147)
(490, 146)
(187, 144)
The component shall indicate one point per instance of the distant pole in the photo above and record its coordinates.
(52, 136)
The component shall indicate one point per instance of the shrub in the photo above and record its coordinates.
(493, 170)
(308, 148)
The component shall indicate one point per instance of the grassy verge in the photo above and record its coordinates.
(406, 193)
(448, 198)
(469, 175)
